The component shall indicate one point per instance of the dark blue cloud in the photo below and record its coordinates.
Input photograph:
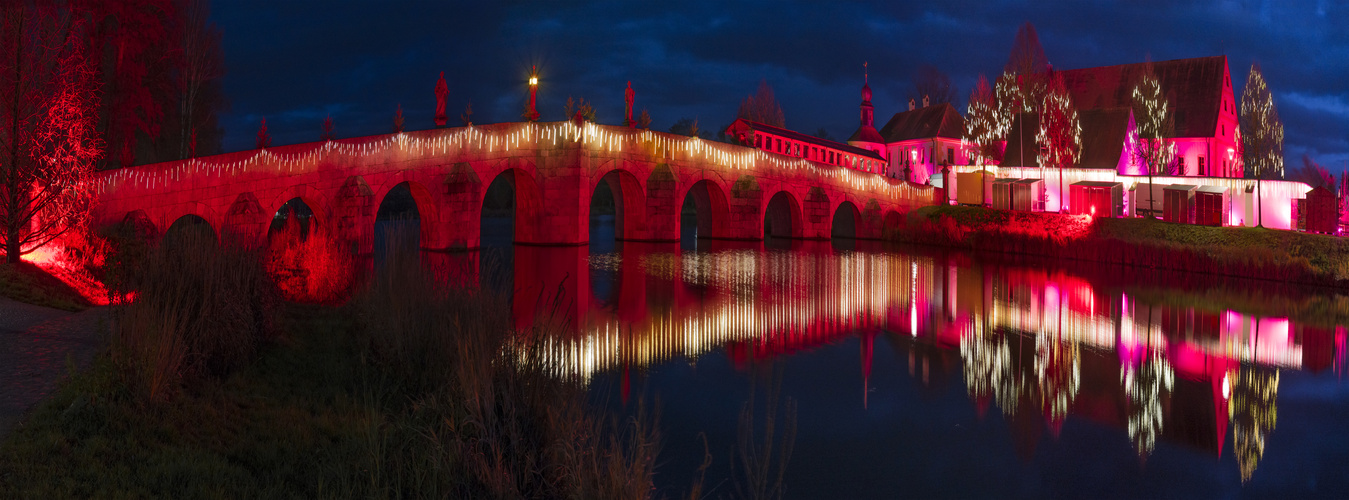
(297, 62)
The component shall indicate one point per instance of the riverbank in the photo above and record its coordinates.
(208, 387)
(1255, 253)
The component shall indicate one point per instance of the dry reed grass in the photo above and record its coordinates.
(200, 310)
(484, 401)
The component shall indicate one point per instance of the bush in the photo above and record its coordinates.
(199, 310)
(313, 267)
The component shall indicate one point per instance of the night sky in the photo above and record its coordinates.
(296, 62)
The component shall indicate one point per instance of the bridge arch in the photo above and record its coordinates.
(891, 222)
(711, 208)
(782, 216)
(309, 197)
(188, 226)
(139, 224)
(526, 203)
(629, 203)
(845, 221)
(401, 204)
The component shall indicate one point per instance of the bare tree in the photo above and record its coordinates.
(203, 65)
(762, 107)
(984, 128)
(932, 83)
(1156, 123)
(1261, 134)
(1027, 56)
(48, 136)
(1060, 132)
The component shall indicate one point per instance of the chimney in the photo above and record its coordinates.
(910, 104)
(925, 101)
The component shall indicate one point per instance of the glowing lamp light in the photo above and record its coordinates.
(533, 80)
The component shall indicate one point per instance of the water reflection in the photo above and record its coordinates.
(1040, 345)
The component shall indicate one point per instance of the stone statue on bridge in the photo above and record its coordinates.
(442, 91)
(627, 98)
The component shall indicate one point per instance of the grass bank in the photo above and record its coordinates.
(208, 388)
(1256, 253)
(28, 283)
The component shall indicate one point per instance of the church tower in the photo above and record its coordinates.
(866, 136)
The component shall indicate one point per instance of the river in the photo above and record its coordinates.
(919, 372)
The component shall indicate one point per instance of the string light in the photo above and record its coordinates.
(492, 139)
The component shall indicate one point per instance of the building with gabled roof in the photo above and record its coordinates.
(913, 142)
(791, 143)
(1199, 91)
(1105, 138)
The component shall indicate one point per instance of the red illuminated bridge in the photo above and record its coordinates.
(553, 167)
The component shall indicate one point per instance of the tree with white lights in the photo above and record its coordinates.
(1261, 134)
(1060, 135)
(984, 127)
(49, 98)
(1155, 122)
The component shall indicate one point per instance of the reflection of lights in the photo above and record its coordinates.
(913, 302)
(1059, 373)
(1144, 387)
(1254, 413)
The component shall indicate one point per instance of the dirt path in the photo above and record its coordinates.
(34, 344)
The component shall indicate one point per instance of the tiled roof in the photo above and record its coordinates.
(1194, 87)
(938, 120)
(1103, 135)
(867, 133)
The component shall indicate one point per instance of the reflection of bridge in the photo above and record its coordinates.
(553, 168)
(1040, 345)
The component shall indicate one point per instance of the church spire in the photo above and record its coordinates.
(867, 110)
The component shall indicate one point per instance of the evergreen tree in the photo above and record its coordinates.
(1261, 134)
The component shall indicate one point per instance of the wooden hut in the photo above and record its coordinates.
(1028, 195)
(1097, 198)
(1211, 205)
(1179, 204)
(1002, 193)
(1322, 214)
(974, 188)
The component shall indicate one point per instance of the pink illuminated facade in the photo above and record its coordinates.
(1202, 103)
(791, 143)
(915, 142)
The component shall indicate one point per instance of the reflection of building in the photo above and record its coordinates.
(1042, 346)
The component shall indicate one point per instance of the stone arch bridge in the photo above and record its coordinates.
(554, 168)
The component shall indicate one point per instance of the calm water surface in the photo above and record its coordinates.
(916, 372)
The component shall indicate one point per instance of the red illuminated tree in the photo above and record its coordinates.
(644, 121)
(327, 134)
(264, 139)
(48, 136)
(984, 127)
(762, 107)
(1060, 135)
(136, 57)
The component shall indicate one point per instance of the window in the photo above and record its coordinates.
(778, 142)
(1180, 165)
(951, 155)
(758, 141)
(1201, 166)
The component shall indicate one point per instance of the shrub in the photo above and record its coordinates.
(314, 267)
(200, 310)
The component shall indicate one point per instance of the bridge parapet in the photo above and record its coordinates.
(554, 169)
